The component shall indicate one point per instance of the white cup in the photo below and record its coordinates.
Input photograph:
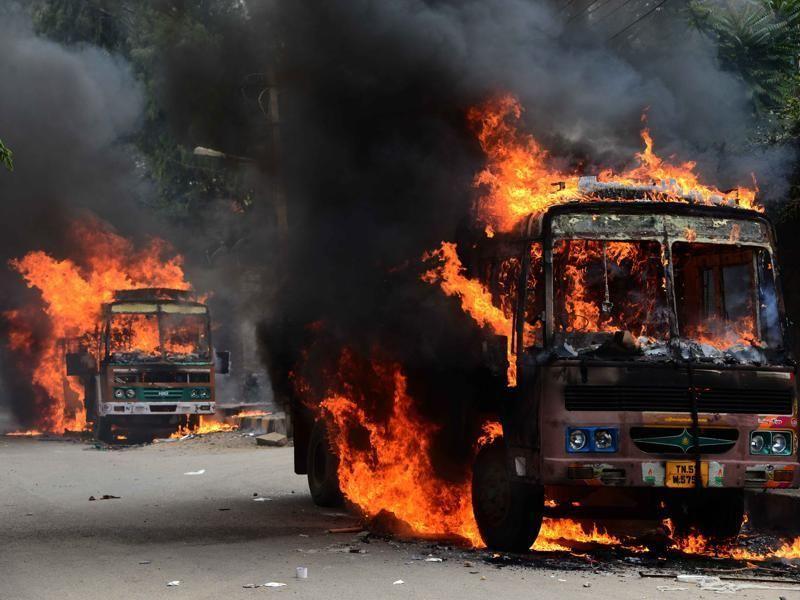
(302, 572)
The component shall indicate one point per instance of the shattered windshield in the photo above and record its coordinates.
(185, 336)
(134, 337)
(726, 300)
(167, 334)
(610, 296)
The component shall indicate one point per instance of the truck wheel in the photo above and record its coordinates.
(714, 513)
(101, 429)
(323, 476)
(508, 513)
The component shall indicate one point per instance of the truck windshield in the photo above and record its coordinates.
(148, 337)
(603, 288)
(725, 297)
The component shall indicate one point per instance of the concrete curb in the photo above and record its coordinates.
(278, 423)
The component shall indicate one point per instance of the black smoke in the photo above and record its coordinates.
(67, 114)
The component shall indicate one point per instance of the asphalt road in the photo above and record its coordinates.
(208, 532)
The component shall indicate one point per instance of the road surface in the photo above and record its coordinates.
(210, 532)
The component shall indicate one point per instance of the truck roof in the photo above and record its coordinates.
(155, 294)
(532, 226)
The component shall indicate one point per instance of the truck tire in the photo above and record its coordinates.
(714, 513)
(101, 430)
(508, 513)
(323, 465)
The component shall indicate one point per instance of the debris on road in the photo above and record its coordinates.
(302, 572)
(398, 582)
(104, 497)
(175, 583)
(261, 499)
(274, 584)
(200, 472)
(358, 529)
(272, 439)
(433, 559)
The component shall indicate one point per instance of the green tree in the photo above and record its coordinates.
(191, 96)
(760, 42)
(6, 156)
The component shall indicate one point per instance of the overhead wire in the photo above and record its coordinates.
(638, 20)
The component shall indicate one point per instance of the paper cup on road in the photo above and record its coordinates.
(302, 572)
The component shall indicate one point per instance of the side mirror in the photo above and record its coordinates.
(80, 364)
(495, 355)
(222, 362)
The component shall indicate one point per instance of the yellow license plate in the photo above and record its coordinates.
(680, 474)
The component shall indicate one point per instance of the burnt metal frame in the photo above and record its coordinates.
(627, 207)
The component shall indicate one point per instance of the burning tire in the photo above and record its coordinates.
(714, 513)
(323, 477)
(508, 513)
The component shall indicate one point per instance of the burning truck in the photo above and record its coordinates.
(644, 365)
(634, 330)
(152, 368)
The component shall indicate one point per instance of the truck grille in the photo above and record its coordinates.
(165, 394)
(676, 399)
(679, 440)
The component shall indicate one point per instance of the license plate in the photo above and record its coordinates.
(681, 474)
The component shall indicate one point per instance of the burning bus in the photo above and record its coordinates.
(152, 368)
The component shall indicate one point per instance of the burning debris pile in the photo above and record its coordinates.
(72, 293)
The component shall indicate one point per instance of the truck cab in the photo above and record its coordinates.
(153, 368)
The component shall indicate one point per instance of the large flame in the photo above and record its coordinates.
(520, 176)
(391, 470)
(72, 292)
(476, 300)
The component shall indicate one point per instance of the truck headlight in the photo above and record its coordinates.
(119, 393)
(576, 440)
(776, 443)
(130, 393)
(758, 442)
(779, 443)
(603, 439)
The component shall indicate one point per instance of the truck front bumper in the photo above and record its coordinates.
(201, 407)
(756, 473)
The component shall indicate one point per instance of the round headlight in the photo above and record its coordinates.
(757, 443)
(779, 443)
(205, 393)
(195, 393)
(577, 439)
(603, 440)
(130, 392)
(119, 393)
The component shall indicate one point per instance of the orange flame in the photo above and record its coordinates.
(72, 292)
(390, 469)
(476, 300)
(520, 178)
(206, 425)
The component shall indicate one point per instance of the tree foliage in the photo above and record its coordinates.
(760, 41)
(177, 50)
(6, 156)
